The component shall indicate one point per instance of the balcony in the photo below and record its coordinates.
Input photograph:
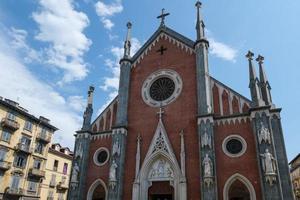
(52, 183)
(44, 137)
(50, 198)
(23, 147)
(10, 124)
(4, 165)
(14, 191)
(62, 186)
(37, 172)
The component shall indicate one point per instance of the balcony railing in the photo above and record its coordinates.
(45, 137)
(4, 165)
(52, 183)
(14, 191)
(62, 186)
(23, 147)
(9, 123)
(36, 172)
(50, 198)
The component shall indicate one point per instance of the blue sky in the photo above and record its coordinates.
(52, 50)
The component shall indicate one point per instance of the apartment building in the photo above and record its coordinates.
(24, 143)
(58, 170)
(295, 176)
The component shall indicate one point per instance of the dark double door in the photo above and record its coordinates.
(161, 197)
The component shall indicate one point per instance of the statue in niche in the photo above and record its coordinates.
(205, 139)
(113, 174)
(264, 134)
(116, 148)
(207, 166)
(79, 151)
(269, 166)
(75, 173)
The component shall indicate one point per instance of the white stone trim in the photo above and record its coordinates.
(232, 120)
(238, 137)
(96, 155)
(153, 77)
(94, 186)
(101, 136)
(244, 180)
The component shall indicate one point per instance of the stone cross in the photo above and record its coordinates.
(160, 113)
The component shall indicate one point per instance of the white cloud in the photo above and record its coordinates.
(222, 50)
(19, 84)
(105, 11)
(62, 27)
(78, 103)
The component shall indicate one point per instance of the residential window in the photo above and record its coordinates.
(1, 176)
(53, 180)
(60, 196)
(32, 186)
(63, 179)
(55, 165)
(28, 126)
(2, 154)
(20, 161)
(39, 148)
(44, 132)
(15, 181)
(5, 136)
(25, 141)
(37, 164)
(11, 116)
(50, 194)
(65, 170)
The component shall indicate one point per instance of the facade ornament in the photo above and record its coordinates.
(116, 148)
(161, 170)
(113, 174)
(160, 144)
(264, 134)
(269, 166)
(206, 140)
(208, 170)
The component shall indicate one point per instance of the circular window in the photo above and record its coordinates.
(161, 88)
(234, 146)
(101, 156)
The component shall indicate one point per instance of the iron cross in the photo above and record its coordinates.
(162, 17)
(161, 50)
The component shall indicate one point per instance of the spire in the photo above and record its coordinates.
(127, 43)
(254, 82)
(264, 83)
(87, 116)
(200, 24)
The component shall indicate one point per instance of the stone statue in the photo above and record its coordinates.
(79, 151)
(205, 140)
(75, 173)
(116, 148)
(269, 163)
(264, 134)
(113, 171)
(207, 166)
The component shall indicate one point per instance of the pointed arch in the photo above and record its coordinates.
(242, 179)
(94, 185)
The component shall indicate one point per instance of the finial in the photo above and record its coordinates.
(249, 55)
(199, 24)
(90, 94)
(127, 43)
(162, 17)
(260, 59)
(198, 4)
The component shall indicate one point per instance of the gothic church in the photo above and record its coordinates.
(176, 133)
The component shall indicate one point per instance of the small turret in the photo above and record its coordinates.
(87, 116)
(264, 83)
(254, 83)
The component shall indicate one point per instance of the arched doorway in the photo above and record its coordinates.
(97, 191)
(238, 187)
(161, 190)
(238, 191)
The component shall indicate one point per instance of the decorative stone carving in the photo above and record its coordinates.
(160, 144)
(75, 173)
(161, 170)
(269, 166)
(113, 174)
(205, 140)
(207, 170)
(264, 134)
(116, 148)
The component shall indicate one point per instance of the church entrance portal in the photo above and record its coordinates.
(99, 193)
(161, 190)
(238, 191)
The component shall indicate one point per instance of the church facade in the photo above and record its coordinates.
(175, 132)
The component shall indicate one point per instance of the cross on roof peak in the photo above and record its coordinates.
(162, 17)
